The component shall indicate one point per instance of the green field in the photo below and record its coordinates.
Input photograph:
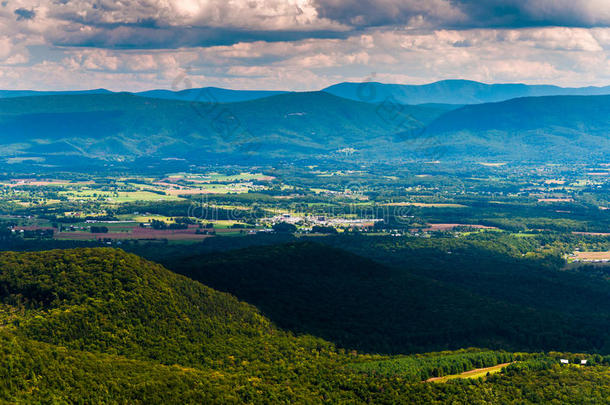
(120, 197)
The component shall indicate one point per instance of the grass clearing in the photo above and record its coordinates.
(477, 373)
(120, 197)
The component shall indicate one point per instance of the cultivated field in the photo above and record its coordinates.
(591, 256)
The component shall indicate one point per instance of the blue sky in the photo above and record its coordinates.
(299, 44)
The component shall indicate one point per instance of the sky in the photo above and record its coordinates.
(136, 45)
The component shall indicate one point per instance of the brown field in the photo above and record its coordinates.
(592, 256)
(32, 228)
(167, 184)
(591, 233)
(139, 233)
(150, 235)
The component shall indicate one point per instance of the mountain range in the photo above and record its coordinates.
(457, 92)
(453, 92)
(124, 126)
(211, 124)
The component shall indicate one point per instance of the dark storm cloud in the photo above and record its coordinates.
(536, 13)
(467, 13)
(145, 36)
(24, 14)
(362, 13)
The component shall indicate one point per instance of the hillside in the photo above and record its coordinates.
(568, 127)
(73, 322)
(123, 126)
(103, 326)
(107, 301)
(457, 92)
(418, 304)
(62, 129)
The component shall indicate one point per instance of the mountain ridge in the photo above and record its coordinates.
(124, 127)
(453, 92)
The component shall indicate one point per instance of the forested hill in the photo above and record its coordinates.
(100, 315)
(124, 126)
(560, 129)
(59, 129)
(418, 303)
(562, 115)
(102, 326)
(105, 300)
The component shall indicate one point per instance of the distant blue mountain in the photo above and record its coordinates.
(443, 94)
(204, 95)
(209, 95)
(453, 92)
(125, 126)
(33, 93)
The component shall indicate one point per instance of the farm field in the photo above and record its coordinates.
(592, 256)
(119, 197)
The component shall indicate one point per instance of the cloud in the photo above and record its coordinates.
(366, 13)
(172, 24)
(138, 37)
(300, 44)
(467, 13)
(179, 23)
(533, 13)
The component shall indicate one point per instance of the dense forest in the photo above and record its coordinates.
(101, 325)
(427, 295)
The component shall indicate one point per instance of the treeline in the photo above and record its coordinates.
(422, 367)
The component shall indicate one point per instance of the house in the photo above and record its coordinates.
(565, 361)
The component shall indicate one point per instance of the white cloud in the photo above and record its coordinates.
(256, 52)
